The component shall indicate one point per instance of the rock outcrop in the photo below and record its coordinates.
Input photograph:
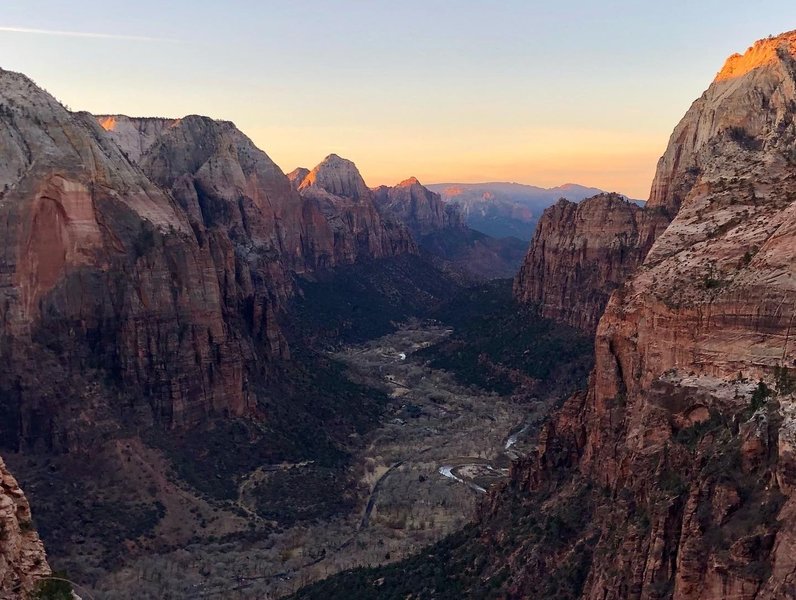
(336, 190)
(581, 253)
(419, 208)
(22, 558)
(296, 176)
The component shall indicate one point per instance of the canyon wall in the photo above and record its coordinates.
(22, 558)
(581, 253)
(144, 266)
(419, 208)
(336, 191)
(684, 439)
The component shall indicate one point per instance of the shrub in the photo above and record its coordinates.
(759, 397)
(744, 139)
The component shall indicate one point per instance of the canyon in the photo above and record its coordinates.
(169, 297)
(221, 379)
(670, 475)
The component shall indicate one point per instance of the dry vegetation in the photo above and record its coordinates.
(225, 548)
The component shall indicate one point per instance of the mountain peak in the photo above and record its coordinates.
(297, 176)
(409, 182)
(338, 176)
(762, 53)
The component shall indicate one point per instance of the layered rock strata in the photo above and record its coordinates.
(143, 267)
(687, 427)
(581, 253)
(422, 210)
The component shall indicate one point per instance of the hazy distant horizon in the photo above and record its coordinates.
(444, 91)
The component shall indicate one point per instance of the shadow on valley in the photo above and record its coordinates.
(367, 300)
(500, 345)
(543, 533)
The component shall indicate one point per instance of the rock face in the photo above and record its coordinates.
(748, 100)
(442, 235)
(143, 267)
(101, 265)
(134, 136)
(694, 458)
(296, 176)
(22, 558)
(581, 253)
(335, 189)
(419, 208)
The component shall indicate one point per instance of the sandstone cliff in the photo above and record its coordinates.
(146, 269)
(144, 265)
(22, 558)
(730, 136)
(336, 190)
(419, 208)
(99, 268)
(581, 252)
(694, 456)
(296, 176)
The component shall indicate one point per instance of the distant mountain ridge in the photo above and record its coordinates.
(502, 209)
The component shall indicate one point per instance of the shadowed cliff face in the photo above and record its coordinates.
(100, 269)
(22, 558)
(581, 252)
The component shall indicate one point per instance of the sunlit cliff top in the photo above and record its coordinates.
(763, 52)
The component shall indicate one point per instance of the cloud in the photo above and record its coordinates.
(84, 34)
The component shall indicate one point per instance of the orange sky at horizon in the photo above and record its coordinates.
(459, 91)
(609, 160)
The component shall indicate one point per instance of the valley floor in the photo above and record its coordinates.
(441, 444)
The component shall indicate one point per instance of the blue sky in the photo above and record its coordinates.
(445, 90)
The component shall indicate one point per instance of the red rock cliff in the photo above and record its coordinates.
(581, 252)
(337, 191)
(419, 208)
(22, 558)
(690, 460)
(143, 266)
(99, 262)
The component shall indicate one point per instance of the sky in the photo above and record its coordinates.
(543, 93)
